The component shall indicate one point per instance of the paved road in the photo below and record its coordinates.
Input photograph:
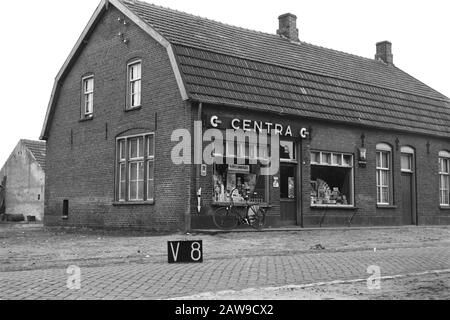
(156, 279)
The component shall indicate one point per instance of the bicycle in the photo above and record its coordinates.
(231, 216)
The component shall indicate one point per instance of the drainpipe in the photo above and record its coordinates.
(192, 194)
(198, 166)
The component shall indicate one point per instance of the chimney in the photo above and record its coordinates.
(288, 27)
(384, 52)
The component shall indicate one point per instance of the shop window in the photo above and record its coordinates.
(331, 179)
(238, 181)
(88, 96)
(134, 84)
(444, 178)
(135, 168)
(383, 171)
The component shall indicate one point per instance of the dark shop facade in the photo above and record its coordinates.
(360, 142)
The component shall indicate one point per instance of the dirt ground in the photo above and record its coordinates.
(33, 247)
(432, 286)
(24, 247)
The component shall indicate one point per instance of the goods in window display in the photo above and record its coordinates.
(244, 184)
(322, 194)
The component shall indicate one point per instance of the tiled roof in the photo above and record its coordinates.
(37, 148)
(223, 64)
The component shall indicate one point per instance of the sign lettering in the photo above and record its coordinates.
(258, 126)
(185, 251)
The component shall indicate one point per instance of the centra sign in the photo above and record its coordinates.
(256, 126)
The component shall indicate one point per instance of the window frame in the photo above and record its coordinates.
(138, 160)
(383, 148)
(410, 160)
(444, 156)
(350, 166)
(146, 159)
(294, 151)
(85, 93)
(130, 81)
(408, 151)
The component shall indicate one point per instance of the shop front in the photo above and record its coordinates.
(319, 174)
(255, 169)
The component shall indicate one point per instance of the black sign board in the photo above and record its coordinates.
(185, 251)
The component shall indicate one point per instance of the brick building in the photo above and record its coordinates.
(361, 141)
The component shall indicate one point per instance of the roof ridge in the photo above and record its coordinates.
(197, 16)
(250, 30)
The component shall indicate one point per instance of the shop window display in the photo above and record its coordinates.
(245, 179)
(331, 179)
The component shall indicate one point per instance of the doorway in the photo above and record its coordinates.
(408, 186)
(288, 193)
(288, 183)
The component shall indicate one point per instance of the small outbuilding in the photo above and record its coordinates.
(22, 182)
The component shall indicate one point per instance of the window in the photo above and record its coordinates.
(383, 170)
(444, 184)
(406, 159)
(287, 151)
(135, 171)
(406, 162)
(65, 213)
(331, 179)
(134, 85)
(238, 181)
(88, 96)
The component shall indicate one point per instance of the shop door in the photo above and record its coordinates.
(408, 189)
(288, 193)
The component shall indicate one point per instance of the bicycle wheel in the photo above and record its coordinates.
(225, 218)
(257, 217)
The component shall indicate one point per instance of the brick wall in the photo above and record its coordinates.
(81, 154)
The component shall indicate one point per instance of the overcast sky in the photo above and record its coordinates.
(37, 37)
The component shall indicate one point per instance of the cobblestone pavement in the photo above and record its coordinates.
(154, 278)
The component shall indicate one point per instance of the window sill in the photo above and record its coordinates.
(86, 119)
(133, 109)
(132, 203)
(444, 207)
(240, 204)
(324, 206)
(386, 206)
